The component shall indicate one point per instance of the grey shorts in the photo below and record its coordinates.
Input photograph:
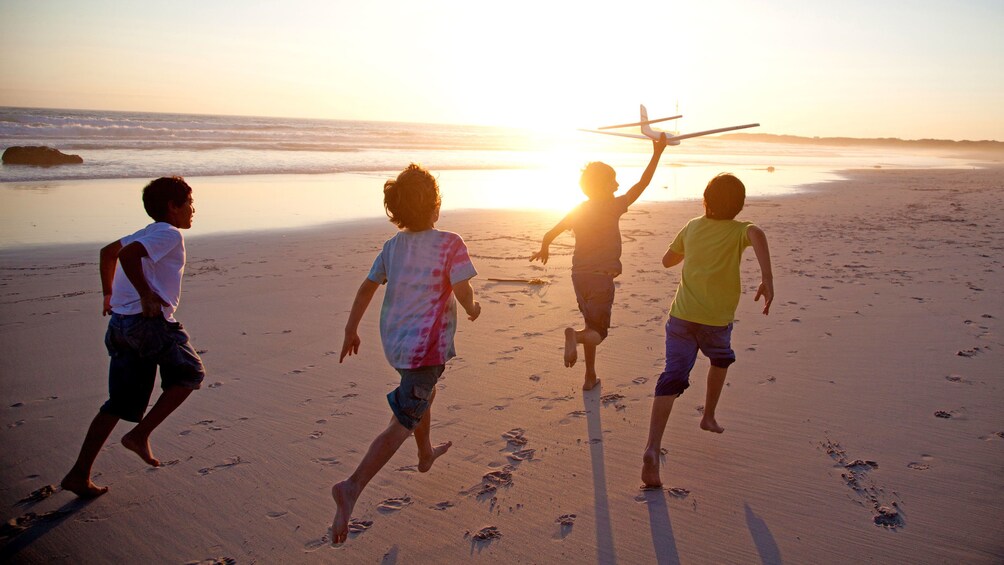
(137, 346)
(595, 296)
(410, 400)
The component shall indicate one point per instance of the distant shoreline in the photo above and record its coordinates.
(982, 145)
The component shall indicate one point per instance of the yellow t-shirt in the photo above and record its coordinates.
(710, 287)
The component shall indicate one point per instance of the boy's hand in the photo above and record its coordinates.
(153, 304)
(766, 290)
(473, 313)
(659, 144)
(106, 310)
(350, 346)
(540, 255)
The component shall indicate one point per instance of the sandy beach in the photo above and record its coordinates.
(863, 416)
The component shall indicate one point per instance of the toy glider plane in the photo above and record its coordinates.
(648, 132)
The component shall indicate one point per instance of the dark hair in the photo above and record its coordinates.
(411, 199)
(592, 174)
(159, 192)
(724, 197)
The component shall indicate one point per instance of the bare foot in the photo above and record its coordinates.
(425, 463)
(82, 486)
(711, 425)
(571, 353)
(590, 383)
(650, 469)
(141, 447)
(345, 496)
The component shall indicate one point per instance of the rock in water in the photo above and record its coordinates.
(39, 156)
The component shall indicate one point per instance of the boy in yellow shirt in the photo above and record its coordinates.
(705, 306)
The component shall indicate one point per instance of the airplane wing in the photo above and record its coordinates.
(617, 133)
(670, 139)
(642, 123)
(708, 132)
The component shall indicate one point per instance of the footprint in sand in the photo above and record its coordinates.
(214, 561)
(316, 434)
(39, 494)
(233, 462)
(522, 455)
(918, 466)
(217, 384)
(326, 460)
(640, 380)
(394, 504)
(408, 469)
(359, 526)
(486, 534)
(276, 514)
(442, 505)
(566, 519)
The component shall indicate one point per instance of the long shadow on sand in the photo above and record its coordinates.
(766, 546)
(605, 552)
(36, 527)
(663, 540)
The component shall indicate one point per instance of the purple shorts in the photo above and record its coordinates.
(683, 340)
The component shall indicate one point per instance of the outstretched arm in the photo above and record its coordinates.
(766, 288)
(658, 146)
(350, 345)
(109, 257)
(562, 226)
(465, 296)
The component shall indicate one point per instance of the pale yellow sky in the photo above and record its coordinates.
(920, 69)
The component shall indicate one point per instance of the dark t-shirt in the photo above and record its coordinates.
(596, 224)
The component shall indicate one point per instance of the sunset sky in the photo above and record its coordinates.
(913, 69)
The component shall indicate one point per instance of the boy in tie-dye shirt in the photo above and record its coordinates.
(424, 269)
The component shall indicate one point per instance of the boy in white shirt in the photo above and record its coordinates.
(141, 280)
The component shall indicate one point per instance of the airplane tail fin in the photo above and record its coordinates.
(645, 127)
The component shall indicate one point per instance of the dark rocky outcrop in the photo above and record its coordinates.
(39, 156)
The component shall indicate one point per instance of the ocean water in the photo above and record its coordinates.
(253, 173)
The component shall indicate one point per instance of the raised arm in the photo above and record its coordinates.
(109, 258)
(465, 296)
(658, 146)
(350, 345)
(564, 225)
(131, 257)
(766, 289)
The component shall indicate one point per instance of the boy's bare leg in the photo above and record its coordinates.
(589, 352)
(661, 408)
(571, 347)
(589, 340)
(78, 480)
(346, 493)
(138, 439)
(716, 380)
(427, 454)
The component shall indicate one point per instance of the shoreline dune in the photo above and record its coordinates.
(863, 418)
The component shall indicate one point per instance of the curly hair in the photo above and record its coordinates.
(159, 192)
(411, 199)
(724, 197)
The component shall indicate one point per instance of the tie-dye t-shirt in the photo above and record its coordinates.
(419, 315)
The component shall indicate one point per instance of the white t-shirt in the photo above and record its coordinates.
(163, 268)
(419, 315)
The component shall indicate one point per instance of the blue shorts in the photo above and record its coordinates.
(410, 400)
(683, 340)
(595, 296)
(137, 346)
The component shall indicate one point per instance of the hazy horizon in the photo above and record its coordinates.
(915, 71)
